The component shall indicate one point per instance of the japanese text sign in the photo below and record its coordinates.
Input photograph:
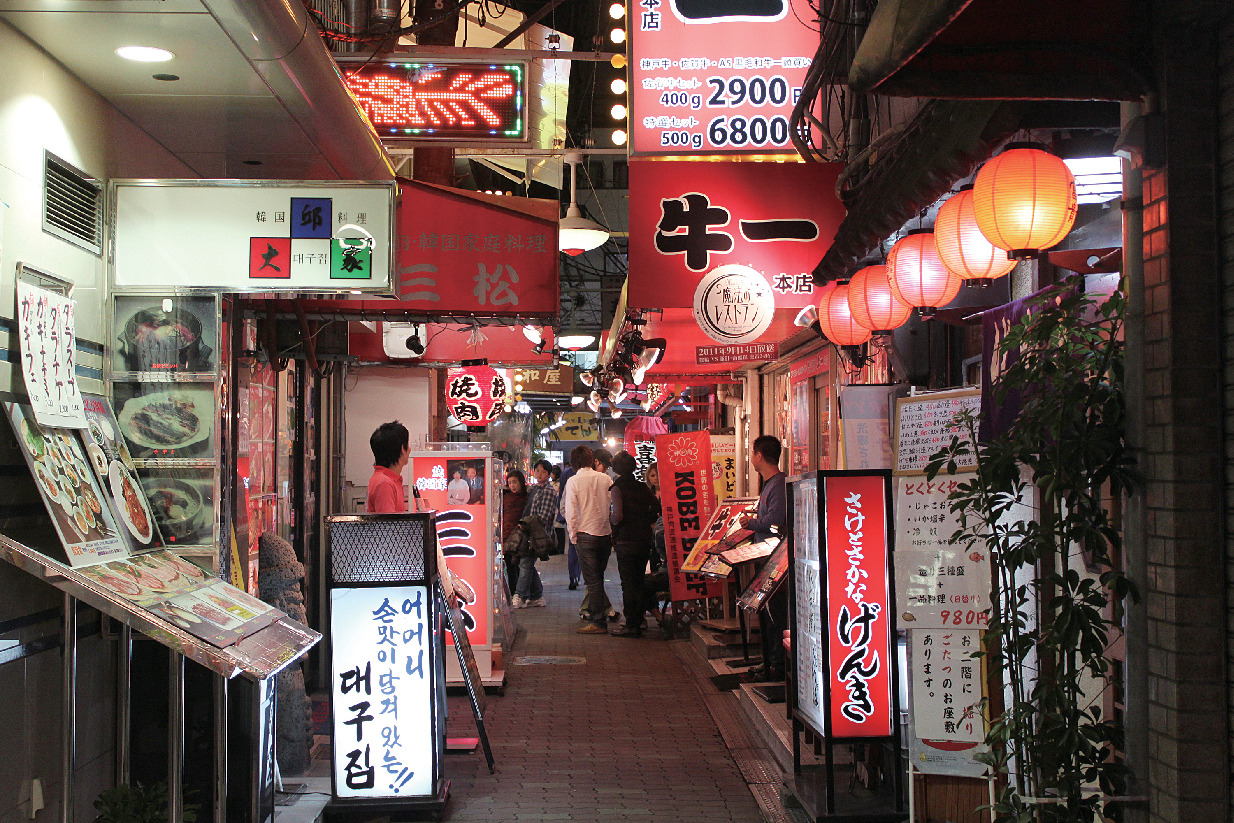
(456, 490)
(475, 394)
(710, 77)
(688, 218)
(265, 236)
(946, 685)
(741, 353)
(688, 497)
(809, 647)
(48, 356)
(859, 619)
(458, 252)
(381, 692)
(925, 425)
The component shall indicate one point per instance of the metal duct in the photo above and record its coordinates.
(281, 43)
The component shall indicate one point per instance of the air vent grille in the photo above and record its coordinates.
(72, 205)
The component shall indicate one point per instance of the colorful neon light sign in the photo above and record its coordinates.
(443, 101)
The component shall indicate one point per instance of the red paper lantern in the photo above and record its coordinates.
(917, 276)
(961, 245)
(835, 318)
(475, 394)
(1024, 200)
(872, 304)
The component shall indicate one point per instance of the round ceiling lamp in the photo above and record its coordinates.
(872, 304)
(962, 247)
(573, 341)
(575, 233)
(917, 276)
(1024, 200)
(836, 319)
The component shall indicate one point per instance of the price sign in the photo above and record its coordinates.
(711, 76)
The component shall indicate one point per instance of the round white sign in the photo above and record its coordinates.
(733, 304)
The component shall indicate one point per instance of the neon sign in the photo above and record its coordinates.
(442, 101)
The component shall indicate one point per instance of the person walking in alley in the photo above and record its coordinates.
(542, 505)
(634, 512)
(587, 505)
(513, 501)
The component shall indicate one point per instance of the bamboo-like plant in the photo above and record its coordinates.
(1058, 588)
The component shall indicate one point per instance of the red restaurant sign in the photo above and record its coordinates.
(688, 495)
(858, 605)
(742, 353)
(687, 219)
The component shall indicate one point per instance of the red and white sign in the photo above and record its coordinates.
(707, 355)
(688, 497)
(687, 219)
(475, 394)
(460, 252)
(709, 77)
(858, 606)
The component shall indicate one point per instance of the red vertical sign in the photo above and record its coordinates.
(462, 531)
(858, 605)
(688, 496)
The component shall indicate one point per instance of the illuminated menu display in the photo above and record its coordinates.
(710, 76)
(442, 101)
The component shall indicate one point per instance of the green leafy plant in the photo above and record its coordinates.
(1058, 589)
(138, 804)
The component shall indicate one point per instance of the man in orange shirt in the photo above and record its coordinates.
(391, 446)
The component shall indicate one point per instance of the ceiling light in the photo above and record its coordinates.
(619, 137)
(577, 234)
(576, 341)
(618, 111)
(618, 86)
(617, 35)
(532, 333)
(575, 400)
(617, 11)
(146, 54)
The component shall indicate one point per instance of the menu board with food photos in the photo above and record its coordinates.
(113, 468)
(73, 497)
(185, 596)
(165, 334)
(161, 420)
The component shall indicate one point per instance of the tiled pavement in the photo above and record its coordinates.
(624, 736)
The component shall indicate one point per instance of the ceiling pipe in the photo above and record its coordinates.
(283, 46)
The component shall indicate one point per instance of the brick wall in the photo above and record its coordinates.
(1186, 601)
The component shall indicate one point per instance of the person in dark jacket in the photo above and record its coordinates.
(513, 500)
(634, 512)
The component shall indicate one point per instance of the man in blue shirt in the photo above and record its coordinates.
(771, 517)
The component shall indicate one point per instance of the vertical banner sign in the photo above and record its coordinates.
(858, 605)
(48, 348)
(724, 465)
(686, 491)
(462, 532)
(711, 77)
(381, 691)
(808, 634)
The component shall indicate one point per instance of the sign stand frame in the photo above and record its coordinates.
(467, 663)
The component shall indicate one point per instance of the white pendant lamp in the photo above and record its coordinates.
(576, 234)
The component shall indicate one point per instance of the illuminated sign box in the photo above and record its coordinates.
(442, 101)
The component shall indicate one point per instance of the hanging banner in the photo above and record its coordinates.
(640, 442)
(710, 77)
(689, 220)
(688, 497)
(465, 253)
(859, 619)
(456, 488)
(48, 351)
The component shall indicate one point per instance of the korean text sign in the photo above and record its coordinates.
(710, 76)
(456, 488)
(688, 497)
(381, 688)
(458, 254)
(688, 218)
(859, 617)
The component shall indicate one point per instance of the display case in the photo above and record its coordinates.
(165, 378)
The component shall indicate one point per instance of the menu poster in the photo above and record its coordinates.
(113, 468)
(926, 424)
(69, 490)
(725, 521)
(745, 551)
(714, 566)
(809, 681)
(48, 352)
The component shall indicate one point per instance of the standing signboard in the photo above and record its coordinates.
(456, 486)
(806, 601)
(711, 77)
(684, 461)
(386, 668)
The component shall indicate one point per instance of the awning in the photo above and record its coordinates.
(1001, 49)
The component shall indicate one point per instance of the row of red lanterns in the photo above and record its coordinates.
(1022, 202)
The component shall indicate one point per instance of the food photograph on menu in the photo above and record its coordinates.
(113, 467)
(166, 419)
(767, 580)
(182, 501)
(165, 334)
(66, 482)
